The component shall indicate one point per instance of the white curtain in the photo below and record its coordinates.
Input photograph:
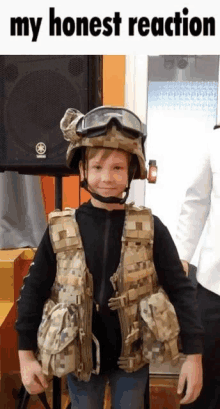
(22, 214)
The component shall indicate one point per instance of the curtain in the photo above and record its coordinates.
(22, 213)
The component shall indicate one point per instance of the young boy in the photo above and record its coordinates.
(103, 257)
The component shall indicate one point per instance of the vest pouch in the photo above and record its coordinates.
(160, 328)
(57, 339)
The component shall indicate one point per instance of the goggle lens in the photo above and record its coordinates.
(100, 117)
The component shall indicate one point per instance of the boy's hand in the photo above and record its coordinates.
(191, 375)
(32, 376)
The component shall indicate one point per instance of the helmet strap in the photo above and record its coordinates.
(110, 199)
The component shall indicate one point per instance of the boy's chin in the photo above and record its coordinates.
(109, 193)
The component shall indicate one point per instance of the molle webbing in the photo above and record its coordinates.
(64, 230)
(73, 283)
(139, 273)
(134, 279)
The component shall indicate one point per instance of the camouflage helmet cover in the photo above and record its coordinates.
(112, 138)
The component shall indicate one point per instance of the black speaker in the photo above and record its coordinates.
(35, 91)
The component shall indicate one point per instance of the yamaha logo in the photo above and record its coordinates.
(41, 150)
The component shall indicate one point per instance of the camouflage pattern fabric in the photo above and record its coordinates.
(160, 329)
(149, 326)
(136, 281)
(73, 287)
(57, 339)
(113, 139)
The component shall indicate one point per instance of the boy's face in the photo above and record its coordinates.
(107, 172)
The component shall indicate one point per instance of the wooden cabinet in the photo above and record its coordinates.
(163, 393)
(162, 386)
(14, 266)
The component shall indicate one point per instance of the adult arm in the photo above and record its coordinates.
(196, 207)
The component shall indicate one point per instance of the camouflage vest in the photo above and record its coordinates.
(148, 323)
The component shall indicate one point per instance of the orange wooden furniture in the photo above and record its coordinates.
(14, 266)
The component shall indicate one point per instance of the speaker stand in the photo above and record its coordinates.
(58, 205)
(58, 192)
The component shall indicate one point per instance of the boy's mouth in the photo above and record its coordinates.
(106, 189)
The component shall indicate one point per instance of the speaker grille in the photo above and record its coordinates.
(35, 107)
(76, 66)
(36, 91)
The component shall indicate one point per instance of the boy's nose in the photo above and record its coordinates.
(106, 176)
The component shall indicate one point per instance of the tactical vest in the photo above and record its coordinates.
(134, 284)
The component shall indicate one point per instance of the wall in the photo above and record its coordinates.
(113, 94)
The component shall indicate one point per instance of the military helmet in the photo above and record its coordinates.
(104, 127)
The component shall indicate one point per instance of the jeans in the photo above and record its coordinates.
(127, 389)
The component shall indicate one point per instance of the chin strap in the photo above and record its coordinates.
(110, 199)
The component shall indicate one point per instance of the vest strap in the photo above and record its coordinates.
(172, 349)
(134, 334)
(63, 230)
(129, 296)
(97, 369)
(139, 225)
(131, 363)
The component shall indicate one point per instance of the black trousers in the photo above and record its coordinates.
(209, 308)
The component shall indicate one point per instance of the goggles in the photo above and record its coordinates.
(100, 117)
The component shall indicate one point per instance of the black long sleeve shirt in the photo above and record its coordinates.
(101, 232)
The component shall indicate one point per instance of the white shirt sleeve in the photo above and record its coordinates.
(196, 206)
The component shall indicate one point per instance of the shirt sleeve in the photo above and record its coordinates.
(33, 294)
(196, 206)
(178, 287)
